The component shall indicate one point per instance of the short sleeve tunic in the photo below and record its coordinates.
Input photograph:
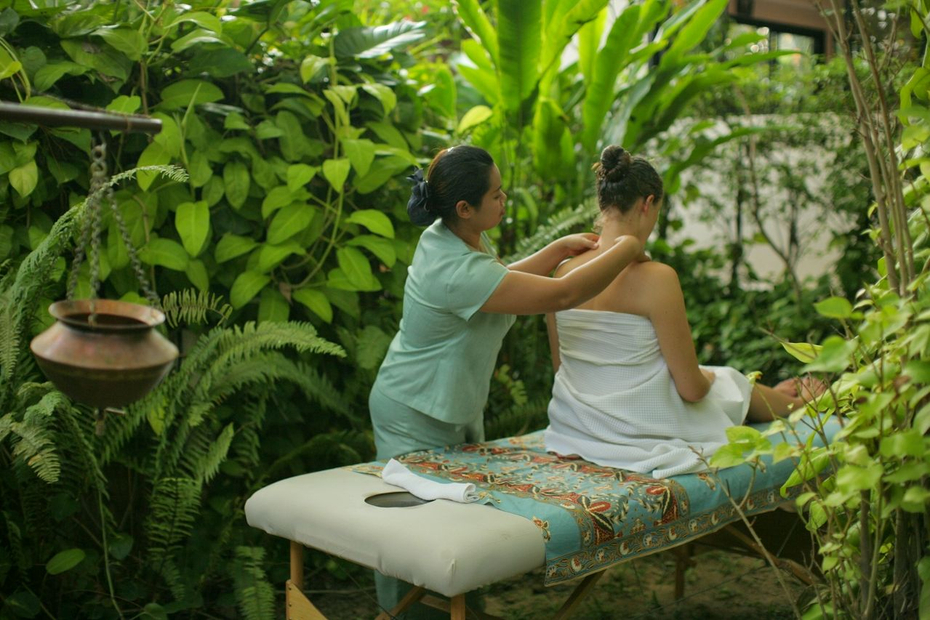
(441, 360)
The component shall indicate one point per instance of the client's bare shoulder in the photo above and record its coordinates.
(638, 289)
(642, 287)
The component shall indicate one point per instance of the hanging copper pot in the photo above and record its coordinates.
(104, 353)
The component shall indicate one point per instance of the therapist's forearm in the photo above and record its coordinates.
(543, 262)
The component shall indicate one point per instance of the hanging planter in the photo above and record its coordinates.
(101, 352)
(104, 353)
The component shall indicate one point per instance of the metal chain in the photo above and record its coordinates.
(131, 250)
(90, 226)
(90, 231)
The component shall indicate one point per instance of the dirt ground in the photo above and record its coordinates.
(720, 586)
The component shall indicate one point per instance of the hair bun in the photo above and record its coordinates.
(418, 207)
(615, 163)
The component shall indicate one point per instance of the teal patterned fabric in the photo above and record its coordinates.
(592, 517)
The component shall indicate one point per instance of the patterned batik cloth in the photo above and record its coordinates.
(592, 517)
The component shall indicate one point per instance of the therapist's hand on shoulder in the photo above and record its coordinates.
(579, 243)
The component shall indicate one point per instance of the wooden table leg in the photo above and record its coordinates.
(577, 596)
(297, 564)
(458, 607)
(683, 561)
(409, 599)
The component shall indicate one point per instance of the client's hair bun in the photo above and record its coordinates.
(615, 163)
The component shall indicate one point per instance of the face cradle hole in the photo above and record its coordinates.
(395, 499)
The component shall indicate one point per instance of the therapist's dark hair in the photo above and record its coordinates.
(457, 173)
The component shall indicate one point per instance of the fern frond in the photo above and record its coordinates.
(325, 449)
(241, 342)
(246, 443)
(33, 438)
(174, 505)
(175, 173)
(179, 587)
(82, 446)
(518, 419)
(254, 593)
(119, 430)
(275, 367)
(204, 453)
(560, 223)
(192, 306)
(18, 299)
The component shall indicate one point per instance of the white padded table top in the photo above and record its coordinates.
(445, 546)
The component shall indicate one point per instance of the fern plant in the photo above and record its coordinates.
(66, 492)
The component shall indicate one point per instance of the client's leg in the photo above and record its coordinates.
(767, 403)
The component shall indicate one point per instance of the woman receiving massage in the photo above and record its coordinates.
(628, 390)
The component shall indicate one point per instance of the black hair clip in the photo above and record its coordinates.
(420, 196)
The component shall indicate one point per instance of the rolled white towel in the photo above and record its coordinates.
(396, 474)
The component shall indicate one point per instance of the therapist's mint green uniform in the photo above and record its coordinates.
(439, 364)
(433, 384)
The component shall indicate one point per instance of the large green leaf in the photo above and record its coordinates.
(382, 169)
(184, 93)
(289, 221)
(671, 105)
(247, 286)
(589, 40)
(298, 175)
(474, 117)
(231, 246)
(355, 267)
(483, 80)
(24, 178)
(194, 39)
(50, 73)
(599, 92)
(550, 135)
(270, 256)
(477, 23)
(219, 62)
(153, 155)
(560, 31)
(197, 273)
(360, 153)
(126, 40)
(272, 306)
(371, 42)
(694, 30)
(201, 18)
(385, 95)
(375, 221)
(170, 135)
(192, 221)
(316, 301)
(166, 253)
(65, 561)
(237, 181)
(103, 58)
(336, 172)
(519, 31)
(380, 247)
(310, 66)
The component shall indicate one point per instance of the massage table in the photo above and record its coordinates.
(536, 509)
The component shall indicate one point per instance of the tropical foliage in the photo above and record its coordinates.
(281, 255)
(865, 496)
